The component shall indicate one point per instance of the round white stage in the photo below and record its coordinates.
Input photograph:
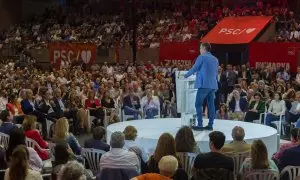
(149, 131)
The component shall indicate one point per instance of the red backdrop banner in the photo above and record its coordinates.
(179, 52)
(237, 30)
(274, 54)
(82, 52)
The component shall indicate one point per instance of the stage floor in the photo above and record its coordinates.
(149, 131)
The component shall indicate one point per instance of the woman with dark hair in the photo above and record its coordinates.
(258, 158)
(222, 113)
(165, 146)
(18, 166)
(255, 108)
(94, 106)
(17, 137)
(14, 106)
(276, 109)
(185, 141)
(108, 103)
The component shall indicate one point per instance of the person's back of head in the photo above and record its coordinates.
(259, 155)
(17, 137)
(216, 140)
(238, 133)
(185, 141)
(73, 170)
(18, 165)
(61, 153)
(165, 146)
(130, 133)
(294, 134)
(168, 165)
(29, 122)
(99, 133)
(4, 115)
(117, 140)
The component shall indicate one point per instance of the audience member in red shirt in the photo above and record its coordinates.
(94, 106)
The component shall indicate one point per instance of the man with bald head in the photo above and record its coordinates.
(238, 145)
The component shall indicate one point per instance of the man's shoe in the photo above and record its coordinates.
(208, 128)
(197, 128)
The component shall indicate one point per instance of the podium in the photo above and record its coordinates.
(186, 97)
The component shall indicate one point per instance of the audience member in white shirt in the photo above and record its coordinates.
(3, 100)
(150, 104)
(118, 157)
(276, 109)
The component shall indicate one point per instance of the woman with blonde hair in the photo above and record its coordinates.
(165, 146)
(29, 127)
(18, 166)
(61, 135)
(259, 158)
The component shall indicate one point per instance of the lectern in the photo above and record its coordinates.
(186, 96)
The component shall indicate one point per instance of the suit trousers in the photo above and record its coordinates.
(202, 94)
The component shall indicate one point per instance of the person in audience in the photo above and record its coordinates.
(276, 109)
(75, 103)
(130, 133)
(185, 141)
(62, 154)
(255, 108)
(29, 126)
(14, 107)
(97, 142)
(131, 104)
(72, 170)
(294, 113)
(118, 157)
(150, 105)
(165, 146)
(60, 109)
(18, 166)
(7, 124)
(288, 145)
(238, 145)
(3, 100)
(17, 137)
(215, 158)
(95, 108)
(291, 156)
(222, 113)
(238, 106)
(167, 167)
(258, 160)
(61, 134)
(108, 103)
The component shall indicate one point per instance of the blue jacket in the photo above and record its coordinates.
(27, 108)
(243, 104)
(6, 127)
(96, 144)
(206, 69)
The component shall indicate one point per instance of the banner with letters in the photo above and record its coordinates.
(179, 52)
(70, 52)
(237, 30)
(275, 55)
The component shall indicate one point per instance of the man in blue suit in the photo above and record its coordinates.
(206, 69)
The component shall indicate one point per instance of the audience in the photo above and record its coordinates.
(238, 106)
(61, 134)
(29, 126)
(259, 159)
(276, 109)
(255, 108)
(185, 141)
(167, 168)
(118, 157)
(17, 137)
(72, 171)
(97, 142)
(131, 104)
(150, 105)
(222, 112)
(7, 124)
(238, 145)
(291, 156)
(214, 158)
(165, 146)
(18, 166)
(63, 154)
(130, 133)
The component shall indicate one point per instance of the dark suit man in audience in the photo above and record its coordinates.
(238, 145)
(7, 125)
(131, 104)
(215, 158)
(98, 140)
(231, 78)
(291, 156)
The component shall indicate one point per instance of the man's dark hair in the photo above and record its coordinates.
(3, 115)
(206, 46)
(237, 86)
(217, 138)
(98, 133)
